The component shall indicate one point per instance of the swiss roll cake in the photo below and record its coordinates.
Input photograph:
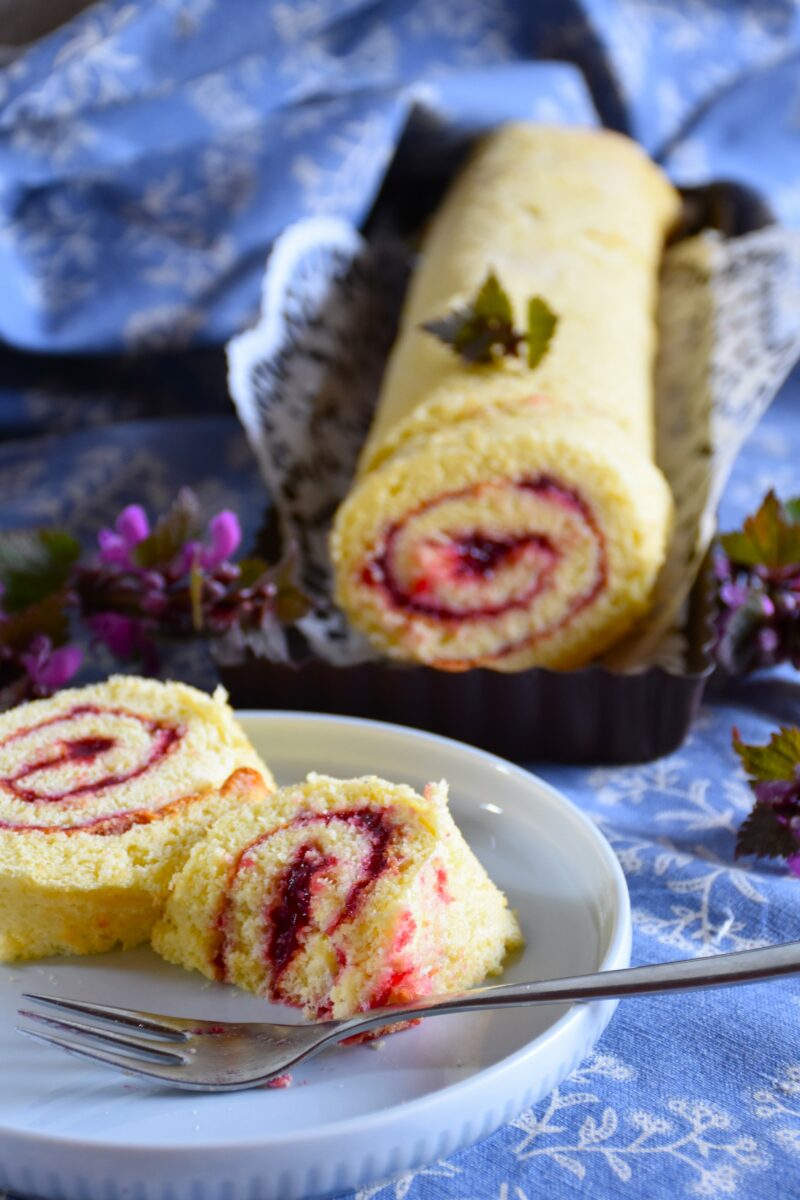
(103, 792)
(337, 896)
(504, 514)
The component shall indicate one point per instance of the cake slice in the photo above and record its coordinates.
(103, 792)
(337, 896)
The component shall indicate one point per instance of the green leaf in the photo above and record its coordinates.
(492, 302)
(542, 322)
(770, 537)
(180, 524)
(779, 759)
(763, 834)
(47, 616)
(251, 571)
(483, 330)
(34, 564)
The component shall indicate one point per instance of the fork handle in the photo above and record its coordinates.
(720, 970)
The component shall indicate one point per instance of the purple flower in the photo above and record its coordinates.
(191, 554)
(125, 637)
(130, 528)
(768, 643)
(733, 594)
(120, 634)
(793, 863)
(225, 533)
(50, 669)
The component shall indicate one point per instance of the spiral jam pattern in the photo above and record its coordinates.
(71, 771)
(335, 896)
(104, 790)
(321, 889)
(544, 557)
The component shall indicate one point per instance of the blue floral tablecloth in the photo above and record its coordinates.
(149, 152)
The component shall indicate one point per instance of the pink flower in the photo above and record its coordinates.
(50, 669)
(226, 534)
(120, 634)
(125, 637)
(130, 528)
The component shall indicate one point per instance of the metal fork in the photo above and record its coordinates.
(212, 1056)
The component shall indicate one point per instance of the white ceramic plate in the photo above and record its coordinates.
(69, 1131)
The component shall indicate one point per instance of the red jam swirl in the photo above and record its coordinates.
(163, 735)
(290, 915)
(481, 556)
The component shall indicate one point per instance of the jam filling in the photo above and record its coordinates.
(480, 556)
(398, 987)
(467, 558)
(164, 737)
(290, 915)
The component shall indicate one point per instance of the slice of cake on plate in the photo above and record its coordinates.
(337, 896)
(103, 792)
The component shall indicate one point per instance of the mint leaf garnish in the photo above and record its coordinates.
(34, 564)
(542, 322)
(482, 331)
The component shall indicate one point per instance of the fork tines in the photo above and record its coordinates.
(157, 1044)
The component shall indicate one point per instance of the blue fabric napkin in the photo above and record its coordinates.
(148, 155)
(150, 152)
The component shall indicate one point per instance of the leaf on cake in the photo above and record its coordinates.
(542, 322)
(482, 331)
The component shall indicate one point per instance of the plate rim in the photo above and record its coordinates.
(618, 949)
